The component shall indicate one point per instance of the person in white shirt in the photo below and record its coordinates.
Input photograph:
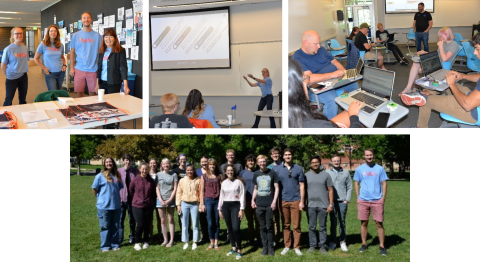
(230, 207)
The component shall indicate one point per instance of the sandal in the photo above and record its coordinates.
(163, 244)
(402, 62)
(170, 244)
(210, 247)
(216, 247)
(405, 91)
(406, 61)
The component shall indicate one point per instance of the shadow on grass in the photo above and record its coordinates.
(84, 173)
(390, 240)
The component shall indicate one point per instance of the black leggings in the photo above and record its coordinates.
(230, 210)
(396, 51)
(265, 101)
(142, 216)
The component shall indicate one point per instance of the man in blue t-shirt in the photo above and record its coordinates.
(371, 189)
(319, 65)
(83, 67)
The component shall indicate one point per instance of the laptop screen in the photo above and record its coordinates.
(378, 82)
(430, 62)
(359, 65)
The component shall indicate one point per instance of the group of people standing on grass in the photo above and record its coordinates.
(230, 192)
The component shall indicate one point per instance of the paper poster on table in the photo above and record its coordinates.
(118, 28)
(105, 22)
(129, 13)
(80, 26)
(129, 24)
(134, 54)
(111, 21)
(120, 13)
(100, 29)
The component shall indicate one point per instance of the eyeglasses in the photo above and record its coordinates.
(315, 163)
(18, 33)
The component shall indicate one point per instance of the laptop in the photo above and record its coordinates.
(432, 67)
(376, 90)
(354, 72)
(390, 38)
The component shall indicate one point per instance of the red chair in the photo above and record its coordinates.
(200, 123)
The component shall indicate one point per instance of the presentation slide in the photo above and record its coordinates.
(190, 40)
(406, 6)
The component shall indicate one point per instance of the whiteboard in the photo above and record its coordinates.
(447, 13)
(246, 59)
(303, 15)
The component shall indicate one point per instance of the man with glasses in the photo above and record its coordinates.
(319, 188)
(277, 163)
(292, 179)
(319, 65)
(169, 119)
(342, 189)
(230, 155)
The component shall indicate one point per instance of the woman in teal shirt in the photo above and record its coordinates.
(54, 64)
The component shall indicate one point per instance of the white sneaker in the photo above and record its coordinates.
(194, 246)
(185, 246)
(145, 245)
(343, 246)
(137, 247)
(298, 252)
(284, 251)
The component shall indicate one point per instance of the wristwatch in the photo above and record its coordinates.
(330, 205)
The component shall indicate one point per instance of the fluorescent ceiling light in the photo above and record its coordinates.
(206, 3)
(8, 12)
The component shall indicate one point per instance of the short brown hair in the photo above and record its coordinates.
(331, 158)
(168, 102)
(368, 149)
(86, 13)
(230, 151)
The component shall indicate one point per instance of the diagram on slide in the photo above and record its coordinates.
(186, 37)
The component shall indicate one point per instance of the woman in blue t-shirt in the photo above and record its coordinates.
(196, 108)
(265, 85)
(54, 64)
(15, 67)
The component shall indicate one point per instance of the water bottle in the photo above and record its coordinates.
(234, 113)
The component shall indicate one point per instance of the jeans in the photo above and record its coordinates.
(109, 228)
(55, 80)
(124, 208)
(109, 89)
(265, 101)
(314, 214)
(230, 210)
(422, 37)
(338, 215)
(190, 208)
(11, 88)
(211, 206)
(143, 216)
(265, 218)
(330, 109)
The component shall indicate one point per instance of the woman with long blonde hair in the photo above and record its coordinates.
(166, 190)
(54, 64)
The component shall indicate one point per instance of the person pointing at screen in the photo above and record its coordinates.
(265, 85)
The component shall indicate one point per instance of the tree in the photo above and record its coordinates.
(83, 147)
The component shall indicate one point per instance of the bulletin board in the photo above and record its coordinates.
(68, 12)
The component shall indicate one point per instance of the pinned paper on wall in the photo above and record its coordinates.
(75, 25)
(100, 29)
(120, 13)
(126, 49)
(129, 24)
(129, 13)
(54, 19)
(111, 21)
(80, 26)
(123, 35)
(105, 21)
(129, 37)
(134, 38)
(95, 26)
(134, 54)
(71, 28)
(100, 18)
(118, 28)
(129, 65)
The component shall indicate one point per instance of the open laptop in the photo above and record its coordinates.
(376, 89)
(354, 72)
(390, 38)
(432, 67)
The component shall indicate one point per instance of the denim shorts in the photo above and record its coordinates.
(172, 204)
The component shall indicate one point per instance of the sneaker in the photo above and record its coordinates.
(383, 252)
(137, 247)
(271, 251)
(131, 241)
(264, 251)
(185, 246)
(284, 251)
(298, 252)
(311, 249)
(343, 246)
(238, 256)
(323, 250)
(332, 245)
(194, 246)
(145, 245)
(115, 249)
(363, 248)
(105, 250)
(415, 98)
(231, 252)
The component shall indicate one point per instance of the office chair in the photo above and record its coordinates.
(459, 123)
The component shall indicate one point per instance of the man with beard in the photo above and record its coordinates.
(371, 189)
(319, 65)
(83, 54)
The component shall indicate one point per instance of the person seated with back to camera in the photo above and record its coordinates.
(169, 119)
(196, 108)
(319, 65)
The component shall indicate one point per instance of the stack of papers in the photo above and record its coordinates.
(34, 116)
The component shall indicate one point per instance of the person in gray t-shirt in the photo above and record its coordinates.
(166, 191)
(319, 188)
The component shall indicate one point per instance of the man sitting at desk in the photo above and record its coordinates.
(361, 43)
(318, 65)
(169, 119)
(459, 102)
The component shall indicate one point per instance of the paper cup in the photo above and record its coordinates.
(230, 117)
(101, 92)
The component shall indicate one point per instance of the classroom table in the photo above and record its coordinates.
(369, 120)
(335, 84)
(270, 113)
(376, 48)
(17, 111)
(129, 103)
(229, 125)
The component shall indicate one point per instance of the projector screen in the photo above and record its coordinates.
(407, 6)
(198, 39)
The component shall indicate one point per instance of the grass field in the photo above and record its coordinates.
(85, 237)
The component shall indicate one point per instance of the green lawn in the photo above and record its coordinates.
(85, 238)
